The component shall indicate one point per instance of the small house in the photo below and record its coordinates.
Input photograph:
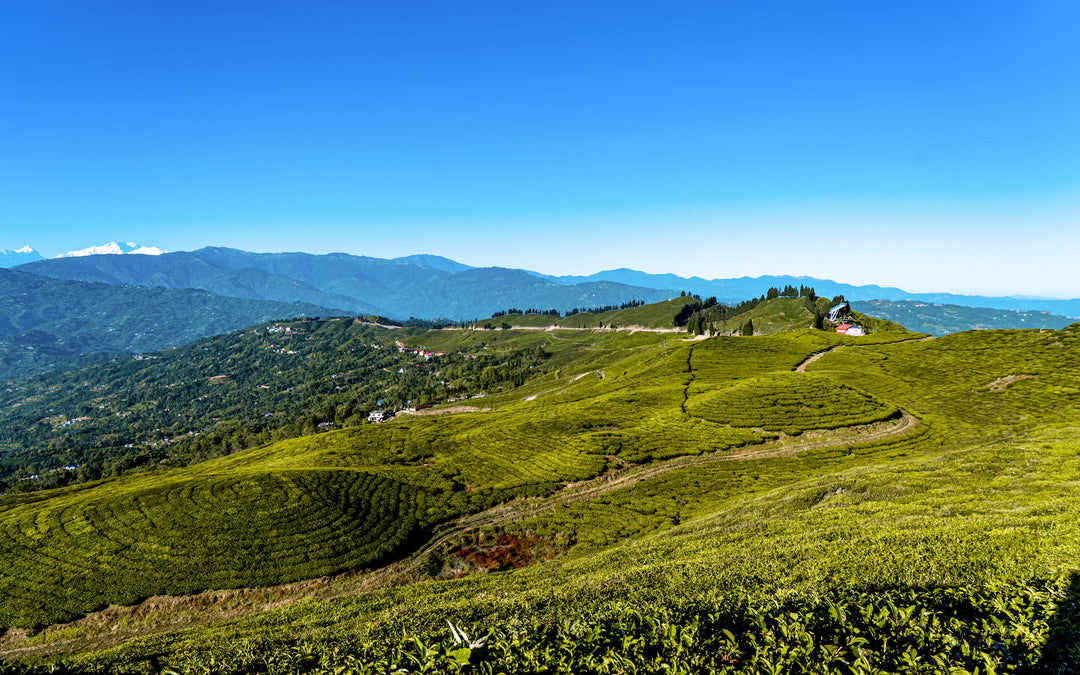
(855, 331)
(377, 416)
(842, 329)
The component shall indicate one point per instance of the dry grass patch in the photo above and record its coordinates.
(1002, 383)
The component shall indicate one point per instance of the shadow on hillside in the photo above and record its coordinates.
(1062, 651)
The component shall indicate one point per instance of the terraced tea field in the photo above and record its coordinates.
(901, 505)
(789, 402)
(187, 534)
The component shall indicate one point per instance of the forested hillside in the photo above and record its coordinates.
(227, 393)
(48, 325)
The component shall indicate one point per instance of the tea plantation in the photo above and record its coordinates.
(902, 506)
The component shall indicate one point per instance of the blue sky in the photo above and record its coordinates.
(931, 146)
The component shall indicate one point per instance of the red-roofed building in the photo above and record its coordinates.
(843, 328)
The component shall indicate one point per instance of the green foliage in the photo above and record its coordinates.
(450, 466)
(789, 402)
(898, 631)
(119, 544)
(939, 540)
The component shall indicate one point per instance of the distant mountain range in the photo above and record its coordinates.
(430, 286)
(415, 286)
(60, 312)
(941, 319)
(742, 288)
(114, 248)
(11, 258)
(49, 324)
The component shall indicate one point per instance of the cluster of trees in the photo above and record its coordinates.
(605, 308)
(556, 313)
(540, 312)
(790, 291)
(682, 317)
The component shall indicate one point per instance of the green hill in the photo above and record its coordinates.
(794, 502)
(779, 315)
(50, 325)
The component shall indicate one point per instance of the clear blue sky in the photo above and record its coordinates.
(927, 145)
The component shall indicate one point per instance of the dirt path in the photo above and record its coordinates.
(801, 368)
(448, 410)
(597, 329)
(616, 479)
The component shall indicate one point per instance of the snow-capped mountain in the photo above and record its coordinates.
(114, 248)
(11, 258)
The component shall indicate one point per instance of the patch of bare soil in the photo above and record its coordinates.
(1002, 383)
(478, 552)
(801, 368)
(451, 410)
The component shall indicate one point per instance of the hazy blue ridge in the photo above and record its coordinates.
(419, 286)
(743, 288)
(478, 292)
(941, 319)
(229, 277)
(435, 262)
(429, 286)
(50, 324)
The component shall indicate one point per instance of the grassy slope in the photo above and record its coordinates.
(775, 316)
(975, 498)
(786, 314)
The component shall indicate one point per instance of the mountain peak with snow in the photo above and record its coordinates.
(114, 248)
(19, 256)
